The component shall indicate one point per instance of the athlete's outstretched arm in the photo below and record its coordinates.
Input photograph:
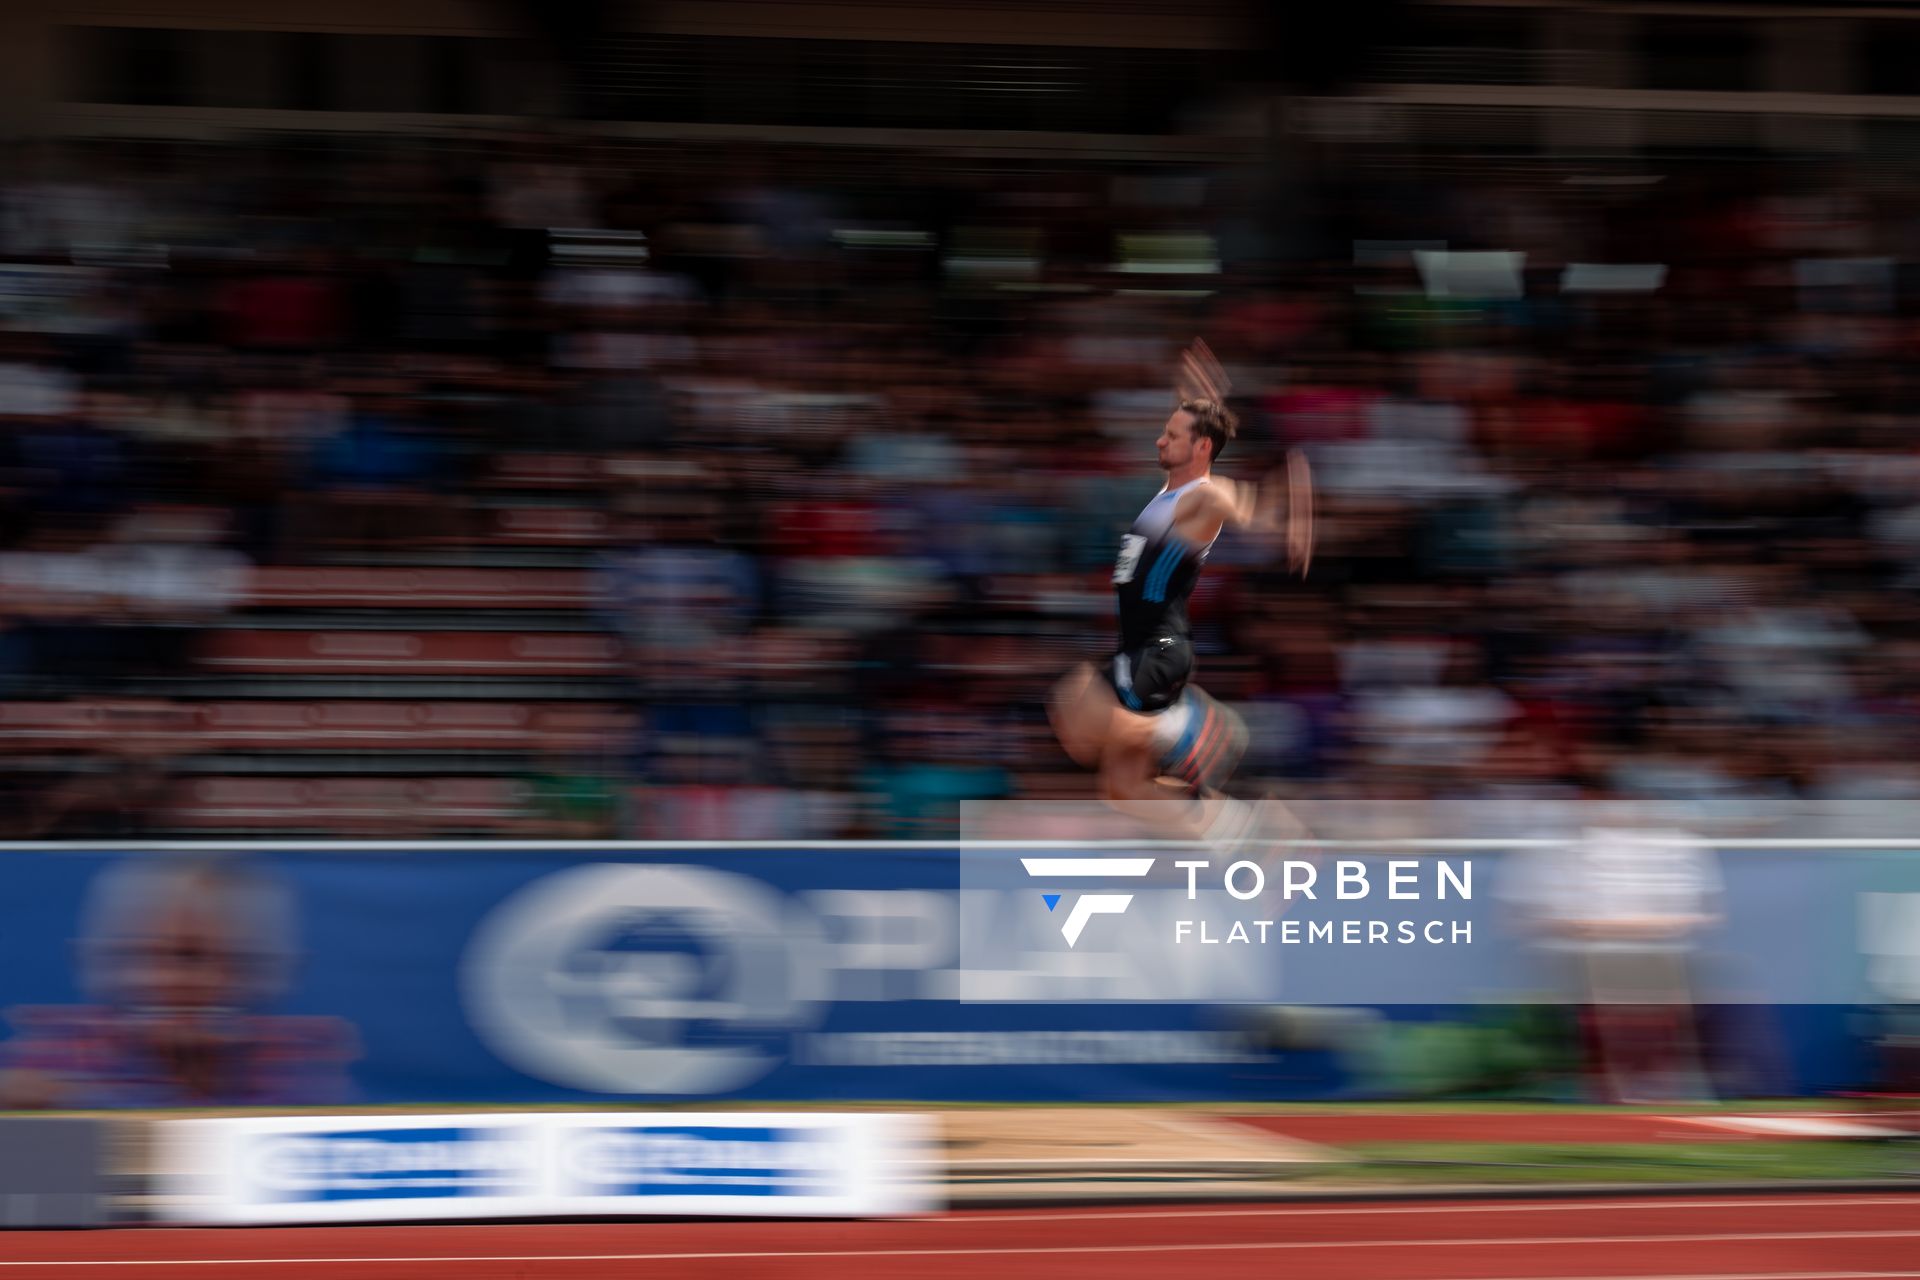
(1282, 504)
(1201, 376)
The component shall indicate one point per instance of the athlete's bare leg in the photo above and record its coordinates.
(1101, 734)
(1081, 709)
(1132, 783)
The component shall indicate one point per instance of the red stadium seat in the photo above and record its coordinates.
(85, 725)
(411, 653)
(345, 725)
(479, 800)
(546, 471)
(550, 527)
(368, 726)
(50, 726)
(357, 806)
(587, 726)
(365, 587)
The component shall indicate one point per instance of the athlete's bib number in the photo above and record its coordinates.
(1130, 548)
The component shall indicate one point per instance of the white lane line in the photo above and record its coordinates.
(1743, 1237)
(1794, 1126)
(1418, 1209)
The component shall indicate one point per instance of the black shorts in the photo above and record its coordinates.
(1150, 678)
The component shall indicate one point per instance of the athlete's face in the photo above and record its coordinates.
(1176, 443)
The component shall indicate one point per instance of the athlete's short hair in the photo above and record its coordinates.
(1214, 421)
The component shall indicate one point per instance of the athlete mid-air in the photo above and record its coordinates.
(1153, 736)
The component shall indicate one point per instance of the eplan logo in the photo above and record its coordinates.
(679, 1160)
(1087, 905)
(387, 1164)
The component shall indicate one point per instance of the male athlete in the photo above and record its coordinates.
(1152, 735)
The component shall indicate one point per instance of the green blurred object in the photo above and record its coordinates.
(1517, 1051)
(575, 802)
(1679, 1162)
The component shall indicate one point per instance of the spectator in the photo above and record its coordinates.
(1624, 910)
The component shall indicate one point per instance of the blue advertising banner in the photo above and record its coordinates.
(287, 975)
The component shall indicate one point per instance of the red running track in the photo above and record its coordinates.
(1801, 1237)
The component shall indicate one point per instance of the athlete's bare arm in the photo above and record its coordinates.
(1227, 504)
(1281, 504)
(1201, 377)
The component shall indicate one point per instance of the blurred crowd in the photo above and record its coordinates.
(854, 438)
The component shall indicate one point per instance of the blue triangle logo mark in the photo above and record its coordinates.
(1051, 899)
